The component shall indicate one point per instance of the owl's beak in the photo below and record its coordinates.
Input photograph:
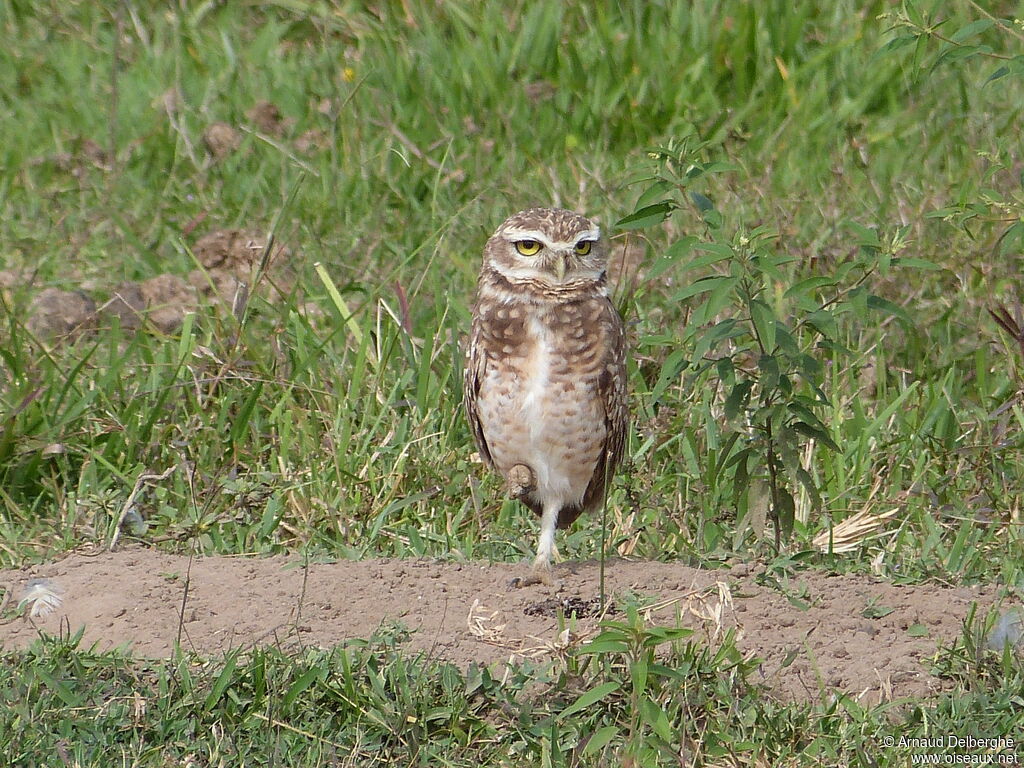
(561, 265)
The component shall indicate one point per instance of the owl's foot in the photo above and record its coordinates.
(540, 573)
(520, 481)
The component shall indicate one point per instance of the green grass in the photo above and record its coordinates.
(369, 703)
(325, 422)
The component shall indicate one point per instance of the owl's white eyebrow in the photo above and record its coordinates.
(532, 234)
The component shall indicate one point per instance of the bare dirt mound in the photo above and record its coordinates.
(866, 637)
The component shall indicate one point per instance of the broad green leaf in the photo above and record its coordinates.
(961, 53)
(703, 202)
(670, 370)
(654, 194)
(222, 682)
(705, 260)
(1012, 240)
(972, 29)
(606, 642)
(788, 446)
(710, 338)
(865, 236)
(718, 167)
(638, 675)
(943, 213)
(805, 413)
(913, 263)
(724, 368)
(784, 340)
(769, 264)
(764, 232)
(884, 305)
(770, 372)
(785, 513)
(600, 738)
(808, 366)
(737, 457)
(812, 489)
(818, 434)
(64, 691)
(719, 299)
(588, 699)
(703, 285)
(659, 635)
(999, 73)
(647, 216)
(741, 477)
(899, 42)
(737, 399)
(764, 322)
(809, 286)
(721, 248)
(824, 322)
(672, 255)
(876, 611)
(655, 717)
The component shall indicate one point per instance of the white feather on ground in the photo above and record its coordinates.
(41, 597)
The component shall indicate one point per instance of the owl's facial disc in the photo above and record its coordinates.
(536, 252)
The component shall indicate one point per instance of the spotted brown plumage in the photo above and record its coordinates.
(545, 379)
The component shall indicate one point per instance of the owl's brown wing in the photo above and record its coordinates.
(476, 366)
(611, 390)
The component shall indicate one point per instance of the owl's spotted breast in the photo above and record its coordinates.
(541, 399)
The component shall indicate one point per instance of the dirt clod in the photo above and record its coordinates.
(56, 314)
(231, 257)
(163, 300)
(267, 118)
(221, 140)
(574, 607)
(168, 298)
(127, 305)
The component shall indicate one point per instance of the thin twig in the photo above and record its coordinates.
(143, 478)
(1007, 27)
(408, 144)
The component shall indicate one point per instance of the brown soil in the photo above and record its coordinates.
(230, 261)
(830, 628)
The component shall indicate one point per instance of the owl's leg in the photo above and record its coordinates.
(546, 542)
(540, 572)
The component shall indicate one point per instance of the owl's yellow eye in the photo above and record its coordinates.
(528, 247)
(583, 247)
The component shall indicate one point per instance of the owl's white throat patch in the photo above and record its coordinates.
(538, 370)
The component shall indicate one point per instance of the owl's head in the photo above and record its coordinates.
(548, 248)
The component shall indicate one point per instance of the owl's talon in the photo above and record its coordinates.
(540, 573)
(520, 481)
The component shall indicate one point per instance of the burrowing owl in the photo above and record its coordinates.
(545, 385)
